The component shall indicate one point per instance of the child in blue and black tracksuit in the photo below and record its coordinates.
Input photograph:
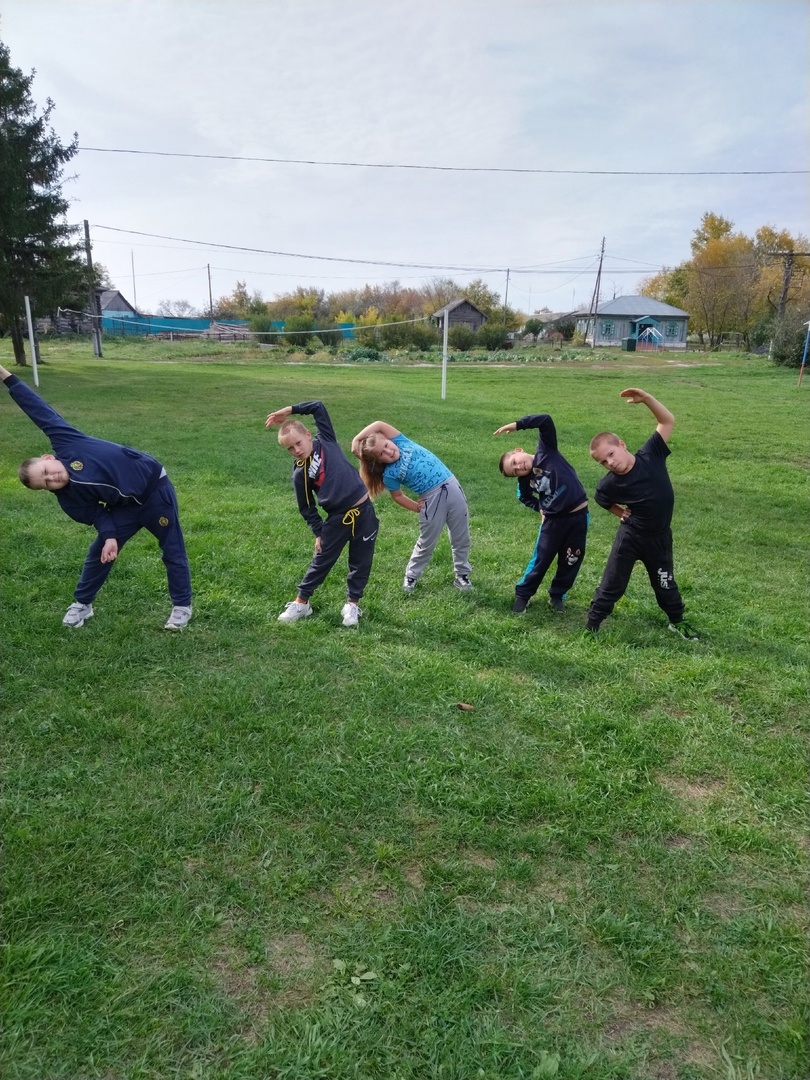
(115, 489)
(323, 474)
(548, 484)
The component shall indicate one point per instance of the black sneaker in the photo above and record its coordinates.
(520, 604)
(684, 630)
(556, 603)
(462, 581)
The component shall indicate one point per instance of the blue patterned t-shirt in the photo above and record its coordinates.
(416, 468)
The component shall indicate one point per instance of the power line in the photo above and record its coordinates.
(450, 168)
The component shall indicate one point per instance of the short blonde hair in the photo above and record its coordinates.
(608, 437)
(292, 425)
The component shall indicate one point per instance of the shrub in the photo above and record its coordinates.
(491, 336)
(365, 354)
(461, 337)
(789, 338)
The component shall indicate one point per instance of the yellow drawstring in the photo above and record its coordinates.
(302, 464)
(350, 517)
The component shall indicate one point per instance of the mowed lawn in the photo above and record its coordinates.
(254, 850)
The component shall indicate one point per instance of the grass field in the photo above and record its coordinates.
(252, 850)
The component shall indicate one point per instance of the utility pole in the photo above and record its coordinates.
(210, 295)
(595, 298)
(134, 291)
(95, 307)
(505, 298)
(786, 276)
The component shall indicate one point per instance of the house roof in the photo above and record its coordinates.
(638, 306)
(454, 304)
(112, 298)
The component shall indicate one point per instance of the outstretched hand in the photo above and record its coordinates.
(278, 417)
(634, 396)
(506, 428)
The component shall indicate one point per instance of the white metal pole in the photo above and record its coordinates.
(444, 355)
(32, 341)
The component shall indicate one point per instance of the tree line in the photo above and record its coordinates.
(755, 287)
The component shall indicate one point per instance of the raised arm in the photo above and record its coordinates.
(665, 419)
(377, 427)
(278, 416)
(506, 427)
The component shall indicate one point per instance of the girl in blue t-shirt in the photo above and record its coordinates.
(387, 461)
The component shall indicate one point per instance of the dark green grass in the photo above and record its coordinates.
(256, 850)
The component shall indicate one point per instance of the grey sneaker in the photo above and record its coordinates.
(351, 613)
(409, 584)
(77, 614)
(294, 611)
(462, 581)
(178, 618)
(684, 630)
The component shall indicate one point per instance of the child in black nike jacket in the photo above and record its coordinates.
(324, 474)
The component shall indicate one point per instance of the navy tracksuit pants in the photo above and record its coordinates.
(160, 515)
(356, 527)
(562, 538)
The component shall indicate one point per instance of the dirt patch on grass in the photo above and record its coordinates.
(287, 977)
(691, 790)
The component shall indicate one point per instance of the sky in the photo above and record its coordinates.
(460, 92)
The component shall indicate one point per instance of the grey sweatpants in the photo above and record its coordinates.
(444, 505)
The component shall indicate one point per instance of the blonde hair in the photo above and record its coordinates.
(371, 468)
(24, 471)
(604, 436)
(292, 425)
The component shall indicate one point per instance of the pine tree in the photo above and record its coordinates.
(38, 255)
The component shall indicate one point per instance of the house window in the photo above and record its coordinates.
(608, 328)
(673, 330)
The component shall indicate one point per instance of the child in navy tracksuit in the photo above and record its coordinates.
(117, 490)
(323, 473)
(548, 484)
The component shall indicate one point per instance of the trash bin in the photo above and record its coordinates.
(628, 344)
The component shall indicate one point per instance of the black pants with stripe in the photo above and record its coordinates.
(630, 547)
(356, 527)
(562, 538)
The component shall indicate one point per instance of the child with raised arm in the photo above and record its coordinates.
(323, 472)
(548, 484)
(117, 490)
(638, 491)
(388, 459)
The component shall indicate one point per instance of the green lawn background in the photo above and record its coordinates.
(261, 850)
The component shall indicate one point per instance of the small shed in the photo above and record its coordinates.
(458, 312)
(628, 317)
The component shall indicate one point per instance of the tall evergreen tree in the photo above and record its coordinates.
(38, 253)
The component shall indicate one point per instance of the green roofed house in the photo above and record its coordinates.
(635, 322)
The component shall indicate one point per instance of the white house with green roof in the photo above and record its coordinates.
(638, 318)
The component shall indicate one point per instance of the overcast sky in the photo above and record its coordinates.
(641, 85)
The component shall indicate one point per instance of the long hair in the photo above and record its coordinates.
(371, 468)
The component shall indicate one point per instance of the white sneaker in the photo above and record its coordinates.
(462, 581)
(178, 618)
(77, 614)
(351, 614)
(294, 611)
(409, 584)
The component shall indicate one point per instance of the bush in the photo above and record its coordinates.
(461, 337)
(491, 336)
(365, 353)
(424, 336)
(788, 340)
